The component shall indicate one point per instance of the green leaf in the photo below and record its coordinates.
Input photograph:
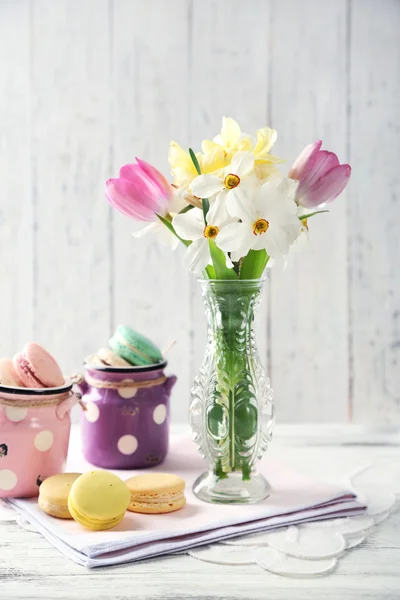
(253, 264)
(172, 230)
(195, 161)
(219, 262)
(307, 216)
(210, 271)
(186, 209)
(205, 203)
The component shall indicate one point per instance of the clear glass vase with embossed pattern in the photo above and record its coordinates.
(232, 410)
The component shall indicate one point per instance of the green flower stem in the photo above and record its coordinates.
(234, 387)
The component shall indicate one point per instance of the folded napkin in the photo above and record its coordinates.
(295, 498)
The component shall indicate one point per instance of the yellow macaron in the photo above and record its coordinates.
(156, 493)
(54, 492)
(98, 500)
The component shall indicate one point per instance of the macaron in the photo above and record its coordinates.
(37, 368)
(134, 347)
(107, 358)
(54, 492)
(98, 500)
(156, 493)
(8, 375)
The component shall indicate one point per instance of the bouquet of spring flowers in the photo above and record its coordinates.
(235, 214)
(229, 204)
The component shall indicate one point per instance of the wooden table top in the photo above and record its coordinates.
(31, 568)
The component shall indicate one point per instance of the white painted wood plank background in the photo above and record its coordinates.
(374, 276)
(87, 85)
(308, 101)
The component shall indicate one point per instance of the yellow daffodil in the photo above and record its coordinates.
(182, 165)
(231, 140)
(213, 160)
(266, 138)
(264, 169)
(218, 153)
(264, 163)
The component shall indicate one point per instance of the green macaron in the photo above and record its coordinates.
(134, 347)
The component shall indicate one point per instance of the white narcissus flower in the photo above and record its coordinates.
(268, 222)
(191, 226)
(235, 182)
(164, 235)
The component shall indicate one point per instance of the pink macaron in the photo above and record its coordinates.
(37, 368)
(8, 375)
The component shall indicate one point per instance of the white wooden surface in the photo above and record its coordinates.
(89, 84)
(30, 567)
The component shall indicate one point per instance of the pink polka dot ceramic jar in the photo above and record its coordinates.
(125, 424)
(34, 435)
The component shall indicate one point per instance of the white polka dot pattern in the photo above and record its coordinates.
(127, 392)
(127, 444)
(8, 480)
(160, 414)
(44, 441)
(16, 413)
(92, 412)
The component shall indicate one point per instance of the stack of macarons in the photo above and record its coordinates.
(33, 367)
(98, 500)
(127, 348)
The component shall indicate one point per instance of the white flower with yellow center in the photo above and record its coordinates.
(235, 183)
(191, 226)
(269, 222)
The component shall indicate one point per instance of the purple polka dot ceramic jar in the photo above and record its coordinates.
(125, 424)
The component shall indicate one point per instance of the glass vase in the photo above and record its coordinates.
(232, 410)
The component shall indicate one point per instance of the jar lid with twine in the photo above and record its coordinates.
(20, 397)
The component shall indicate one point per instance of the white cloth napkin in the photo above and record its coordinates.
(295, 498)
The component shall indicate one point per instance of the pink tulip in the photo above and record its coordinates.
(321, 177)
(140, 192)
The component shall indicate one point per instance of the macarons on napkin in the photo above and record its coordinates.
(127, 348)
(295, 498)
(156, 493)
(32, 367)
(98, 500)
(54, 492)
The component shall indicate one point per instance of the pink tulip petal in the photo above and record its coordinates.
(130, 171)
(121, 203)
(136, 175)
(134, 172)
(327, 188)
(305, 161)
(156, 177)
(325, 161)
(134, 198)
